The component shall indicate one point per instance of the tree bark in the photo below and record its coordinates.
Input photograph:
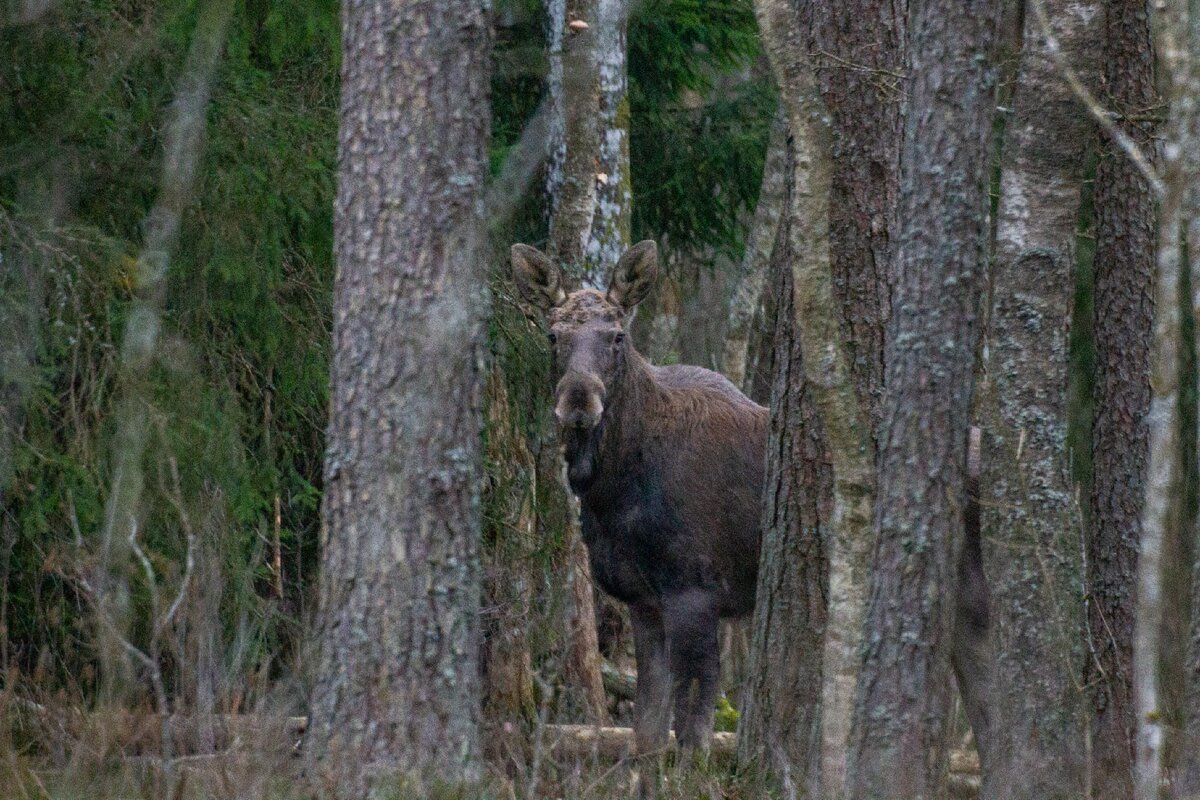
(902, 714)
(1032, 551)
(507, 586)
(397, 691)
(848, 214)
(747, 295)
(1156, 660)
(779, 727)
(827, 372)
(572, 187)
(610, 233)
(1124, 307)
(571, 224)
(1189, 767)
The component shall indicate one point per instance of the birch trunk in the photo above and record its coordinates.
(1124, 307)
(1162, 531)
(396, 693)
(609, 237)
(902, 713)
(1032, 552)
(571, 224)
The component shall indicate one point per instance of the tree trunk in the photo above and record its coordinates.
(1124, 307)
(507, 585)
(396, 690)
(859, 52)
(779, 726)
(609, 237)
(858, 48)
(571, 188)
(1032, 551)
(902, 715)
(827, 372)
(571, 225)
(1189, 767)
(747, 295)
(1157, 660)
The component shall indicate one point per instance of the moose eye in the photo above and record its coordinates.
(553, 338)
(618, 337)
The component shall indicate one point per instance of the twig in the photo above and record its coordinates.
(1106, 119)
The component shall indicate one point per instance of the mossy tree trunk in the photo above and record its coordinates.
(1031, 531)
(396, 691)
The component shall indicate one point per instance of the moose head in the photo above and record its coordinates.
(588, 328)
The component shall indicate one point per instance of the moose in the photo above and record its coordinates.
(667, 462)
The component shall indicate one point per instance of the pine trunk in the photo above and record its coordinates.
(902, 716)
(843, 213)
(397, 691)
(1124, 308)
(1032, 549)
(779, 727)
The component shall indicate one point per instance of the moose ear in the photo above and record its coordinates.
(539, 280)
(634, 275)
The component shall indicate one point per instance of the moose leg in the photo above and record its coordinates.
(652, 697)
(692, 623)
(652, 709)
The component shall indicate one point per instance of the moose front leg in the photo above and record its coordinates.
(652, 706)
(652, 697)
(691, 620)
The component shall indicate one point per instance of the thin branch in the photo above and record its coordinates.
(1105, 118)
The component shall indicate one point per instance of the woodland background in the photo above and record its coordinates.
(166, 309)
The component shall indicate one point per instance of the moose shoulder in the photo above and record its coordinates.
(667, 462)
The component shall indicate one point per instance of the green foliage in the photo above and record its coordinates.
(237, 398)
(726, 717)
(699, 121)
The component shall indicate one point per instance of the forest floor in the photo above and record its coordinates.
(256, 757)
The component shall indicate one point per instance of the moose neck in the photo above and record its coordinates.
(590, 454)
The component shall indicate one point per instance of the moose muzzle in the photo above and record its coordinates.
(580, 401)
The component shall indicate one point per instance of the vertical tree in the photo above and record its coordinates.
(1155, 660)
(609, 237)
(1124, 307)
(779, 727)
(843, 190)
(1032, 553)
(396, 686)
(577, 31)
(124, 512)
(754, 272)
(902, 713)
